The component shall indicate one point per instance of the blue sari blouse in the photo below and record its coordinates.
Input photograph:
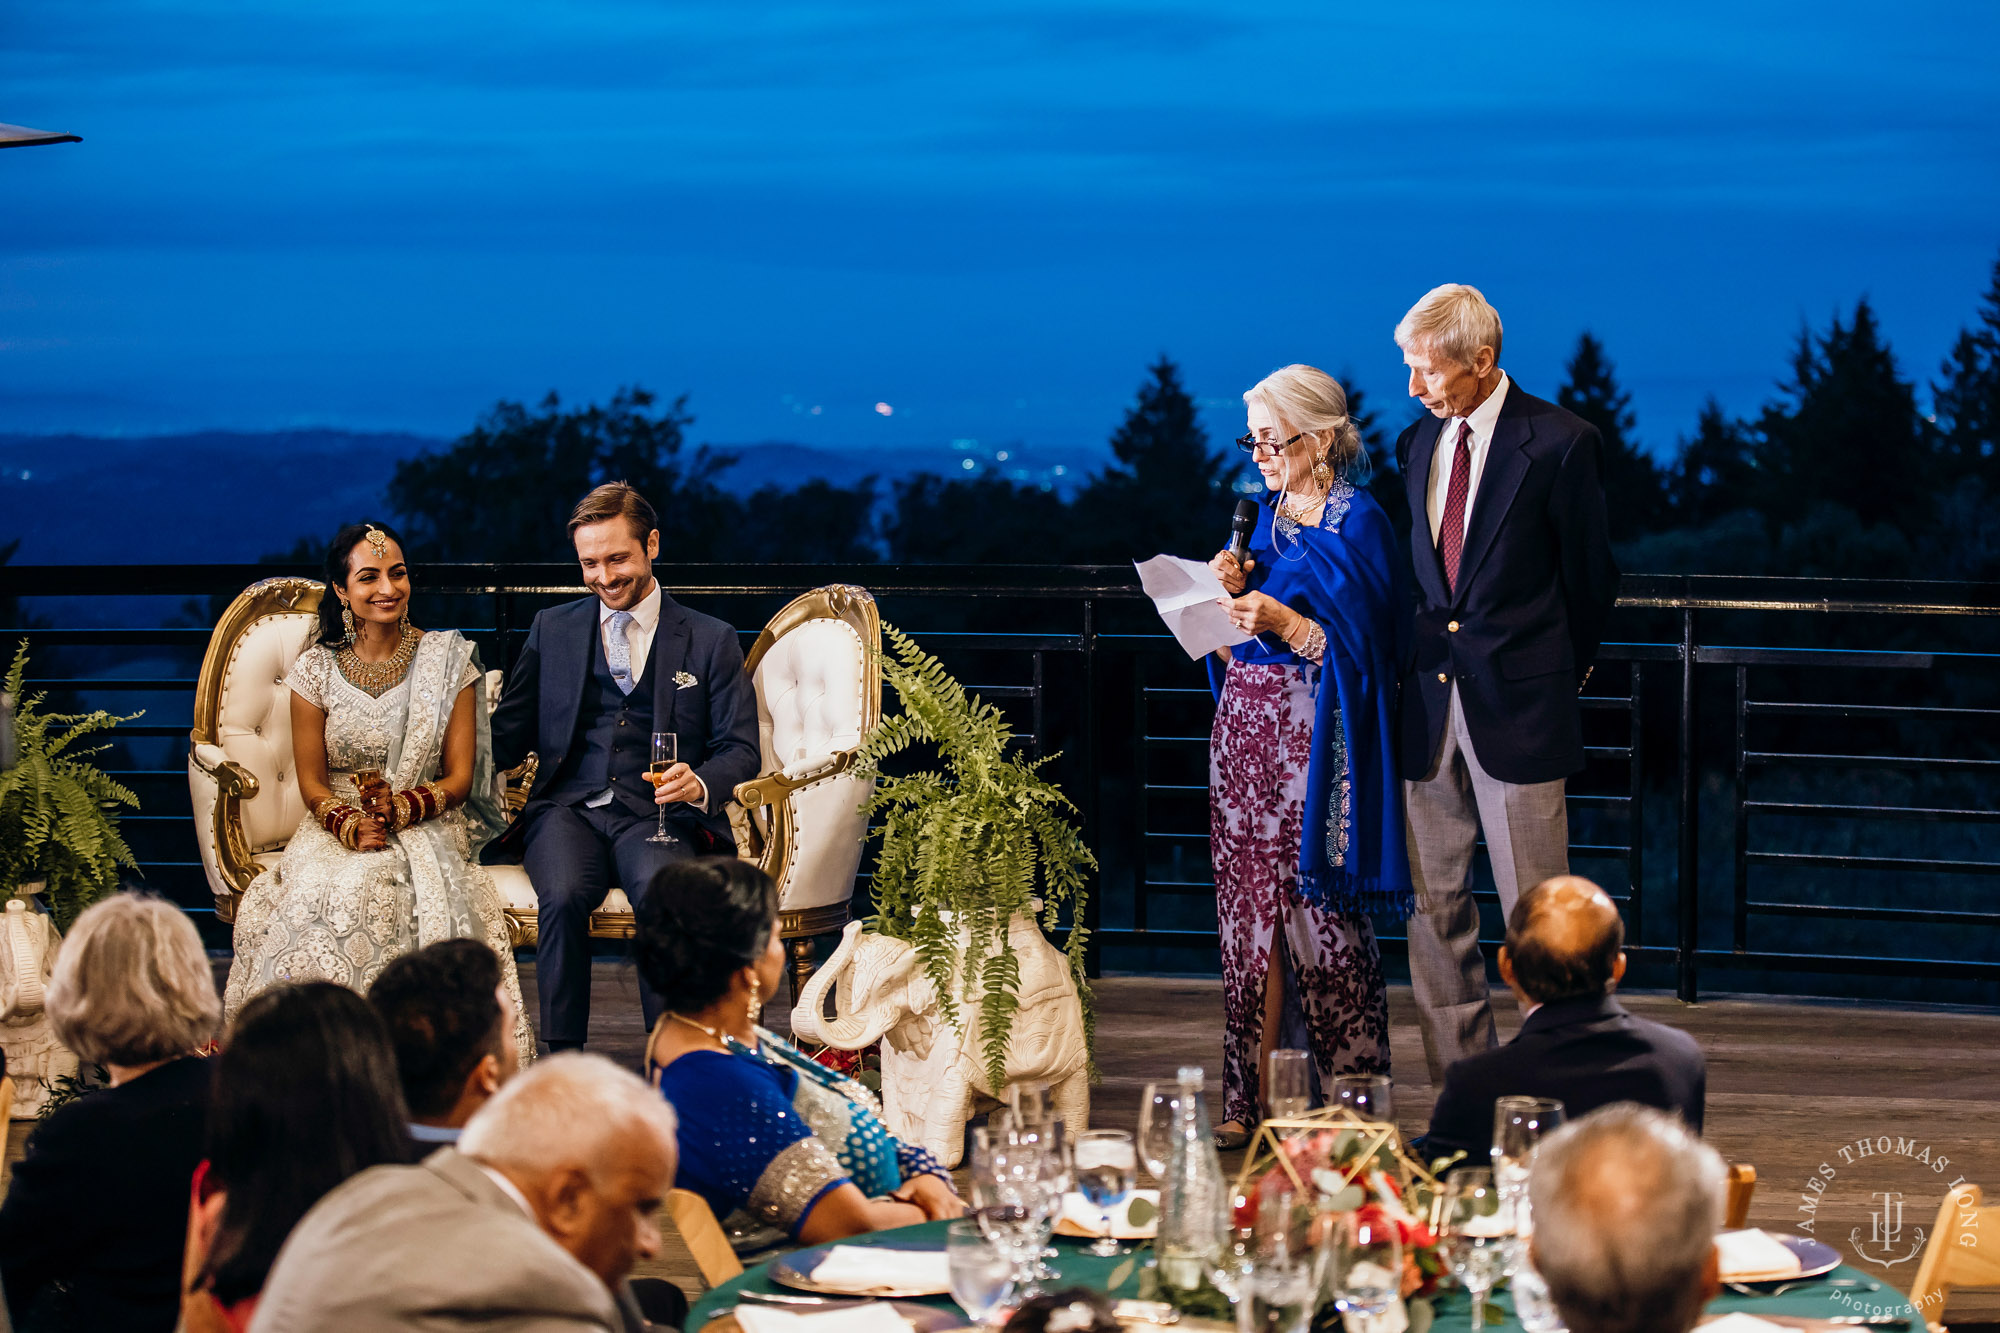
(767, 1132)
(1346, 574)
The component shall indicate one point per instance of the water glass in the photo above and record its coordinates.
(1532, 1303)
(1159, 1110)
(1369, 1096)
(1364, 1253)
(1276, 1296)
(1287, 1084)
(1519, 1124)
(981, 1272)
(1105, 1170)
(1029, 1104)
(1479, 1234)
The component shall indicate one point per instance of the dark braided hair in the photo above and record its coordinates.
(332, 631)
(699, 923)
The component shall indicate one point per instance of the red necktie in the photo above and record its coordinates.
(1451, 531)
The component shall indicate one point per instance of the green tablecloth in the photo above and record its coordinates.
(1076, 1268)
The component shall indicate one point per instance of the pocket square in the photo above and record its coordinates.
(683, 679)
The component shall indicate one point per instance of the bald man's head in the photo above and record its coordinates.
(1565, 938)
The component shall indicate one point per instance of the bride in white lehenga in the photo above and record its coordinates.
(372, 874)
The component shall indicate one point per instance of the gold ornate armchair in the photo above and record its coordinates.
(817, 672)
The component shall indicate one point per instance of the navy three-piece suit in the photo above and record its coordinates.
(563, 702)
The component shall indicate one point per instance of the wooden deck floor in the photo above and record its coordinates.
(1793, 1086)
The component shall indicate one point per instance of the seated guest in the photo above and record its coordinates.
(531, 1223)
(93, 1224)
(1563, 957)
(451, 1022)
(1627, 1203)
(305, 1096)
(778, 1145)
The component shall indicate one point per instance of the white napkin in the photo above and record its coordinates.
(874, 1317)
(1087, 1218)
(1753, 1252)
(1738, 1322)
(865, 1268)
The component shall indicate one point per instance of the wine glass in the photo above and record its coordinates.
(1288, 1084)
(666, 749)
(1159, 1108)
(1479, 1234)
(1519, 1124)
(1106, 1165)
(1369, 1096)
(1029, 1103)
(981, 1272)
(1364, 1254)
(1277, 1294)
(1011, 1199)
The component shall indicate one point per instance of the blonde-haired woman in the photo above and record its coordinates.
(1305, 804)
(92, 1228)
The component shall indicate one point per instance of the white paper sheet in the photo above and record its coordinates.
(1188, 596)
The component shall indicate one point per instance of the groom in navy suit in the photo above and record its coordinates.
(596, 679)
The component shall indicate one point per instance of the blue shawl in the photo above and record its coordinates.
(1346, 575)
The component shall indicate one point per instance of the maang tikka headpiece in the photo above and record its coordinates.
(378, 541)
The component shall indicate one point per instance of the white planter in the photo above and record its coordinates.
(933, 1075)
(35, 1058)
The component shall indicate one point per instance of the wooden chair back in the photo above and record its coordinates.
(703, 1236)
(1742, 1184)
(1954, 1257)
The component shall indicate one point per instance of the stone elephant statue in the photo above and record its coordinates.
(931, 1073)
(35, 1059)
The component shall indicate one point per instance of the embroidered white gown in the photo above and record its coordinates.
(327, 913)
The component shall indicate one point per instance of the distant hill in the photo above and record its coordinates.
(229, 496)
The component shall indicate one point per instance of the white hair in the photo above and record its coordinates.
(1453, 321)
(569, 1109)
(132, 984)
(1304, 398)
(1626, 1203)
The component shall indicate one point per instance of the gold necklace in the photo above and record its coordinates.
(377, 678)
(713, 1035)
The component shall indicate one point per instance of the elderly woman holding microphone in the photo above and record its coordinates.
(1306, 806)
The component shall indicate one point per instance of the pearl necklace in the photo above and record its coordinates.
(377, 678)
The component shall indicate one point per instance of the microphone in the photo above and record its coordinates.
(1241, 524)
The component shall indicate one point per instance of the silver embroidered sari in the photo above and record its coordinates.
(329, 914)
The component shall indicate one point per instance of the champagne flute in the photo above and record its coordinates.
(1369, 1096)
(1479, 1234)
(1519, 1124)
(1106, 1164)
(666, 750)
(981, 1272)
(1159, 1108)
(1288, 1084)
(1365, 1252)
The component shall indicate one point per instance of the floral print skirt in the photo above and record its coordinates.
(1334, 1003)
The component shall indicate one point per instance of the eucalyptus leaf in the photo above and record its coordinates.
(1123, 1273)
(1344, 1200)
(1141, 1213)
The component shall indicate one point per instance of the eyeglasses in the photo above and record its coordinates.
(1250, 444)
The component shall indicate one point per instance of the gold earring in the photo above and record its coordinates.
(756, 1000)
(1322, 472)
(347, 620)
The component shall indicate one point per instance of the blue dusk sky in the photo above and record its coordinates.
(989, 217)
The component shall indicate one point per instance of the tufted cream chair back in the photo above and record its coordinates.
(246, 796)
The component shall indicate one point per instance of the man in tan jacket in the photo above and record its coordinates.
(530, 1225)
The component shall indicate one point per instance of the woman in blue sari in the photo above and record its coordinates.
(782, 1148)
(1305, 805)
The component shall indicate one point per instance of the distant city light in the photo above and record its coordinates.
(968, 465)
(1002, 455)
(1060, 470)
(815, 409)
(884, 409)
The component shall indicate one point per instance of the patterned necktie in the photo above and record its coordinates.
(618, 652)
(1451, 531)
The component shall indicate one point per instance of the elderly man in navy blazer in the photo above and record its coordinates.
(1514, 579)
(595, 680)
(1563, 958)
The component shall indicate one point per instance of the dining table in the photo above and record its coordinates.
(1847, 1293)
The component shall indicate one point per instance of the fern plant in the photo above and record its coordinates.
(969, 844)
(58, 813)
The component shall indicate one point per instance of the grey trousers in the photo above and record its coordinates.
(1527, 840)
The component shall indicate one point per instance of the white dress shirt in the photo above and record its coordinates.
(639, 633)
(1483, 419)
(511, 1190)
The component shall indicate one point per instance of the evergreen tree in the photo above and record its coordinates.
(1847, 432)
(1968, 401)
(1384, 479)
(814, 523)
(1167, 491)
(1714, 474)
(504, 491)
(989, 520)
(1635, 491)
